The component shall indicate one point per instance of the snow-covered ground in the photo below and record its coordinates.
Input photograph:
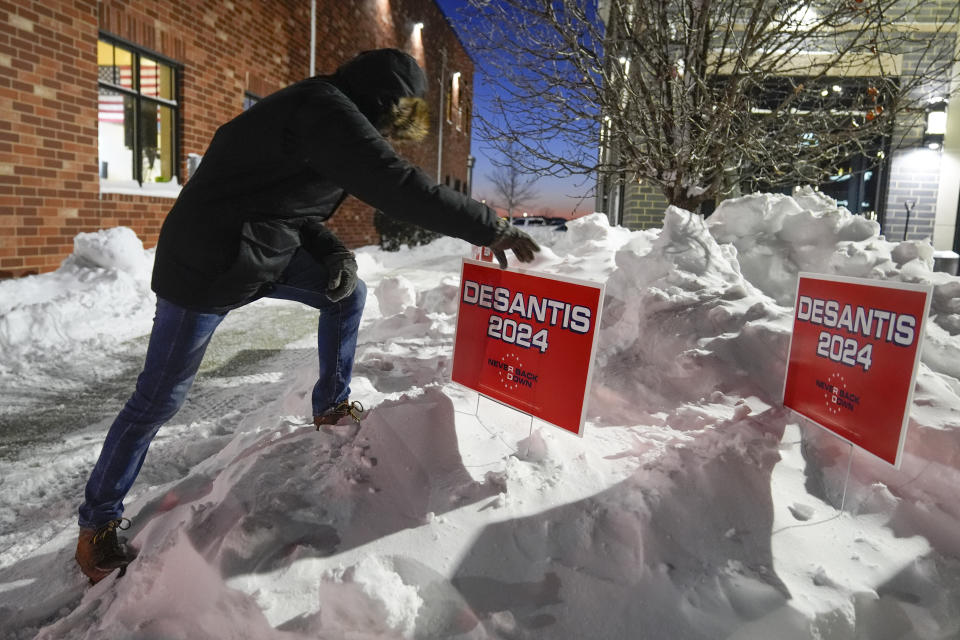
(695, 506)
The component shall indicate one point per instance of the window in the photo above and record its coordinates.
(137, 115)
(854, 168)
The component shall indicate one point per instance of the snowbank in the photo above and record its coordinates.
(694, 507)
(100, 295)
(778, 236)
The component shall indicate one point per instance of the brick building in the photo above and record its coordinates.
(84, 83)
(914, 194)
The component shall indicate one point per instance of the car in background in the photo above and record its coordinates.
(558, 224)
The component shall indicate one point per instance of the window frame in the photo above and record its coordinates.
(137, 52)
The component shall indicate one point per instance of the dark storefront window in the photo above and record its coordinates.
(137, 115)
(854, 185)
(855, 182)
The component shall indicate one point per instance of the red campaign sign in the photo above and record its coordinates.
(527, 341)
(854, 356)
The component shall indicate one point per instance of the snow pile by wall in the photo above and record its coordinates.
(779, 236)
(116, 249)
(99, 295)
(680, 320)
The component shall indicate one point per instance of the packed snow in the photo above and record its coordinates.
(694, 507)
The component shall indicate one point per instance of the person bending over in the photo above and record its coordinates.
(249, 224)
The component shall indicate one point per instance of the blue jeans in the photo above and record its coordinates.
(177, 344)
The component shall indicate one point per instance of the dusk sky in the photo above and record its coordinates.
(564, 197)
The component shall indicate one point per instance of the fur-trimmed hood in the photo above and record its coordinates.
(376, 81)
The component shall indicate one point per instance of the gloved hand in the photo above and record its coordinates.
(509, 237)
(342, 267)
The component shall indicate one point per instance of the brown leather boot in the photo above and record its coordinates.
(333, 416)
(99, 551)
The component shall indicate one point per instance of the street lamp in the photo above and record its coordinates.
(416, 42)
(471, 161)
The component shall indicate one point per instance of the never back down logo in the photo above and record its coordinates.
(512, 373)
(835, 394)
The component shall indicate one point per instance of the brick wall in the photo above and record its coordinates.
(914, 182)
(49, 185)
(643, 206)
(47, 126)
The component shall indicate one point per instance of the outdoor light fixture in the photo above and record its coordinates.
(936, 126)
(416, 42)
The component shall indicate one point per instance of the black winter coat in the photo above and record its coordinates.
(273, 174)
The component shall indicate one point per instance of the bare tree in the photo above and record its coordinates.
(512, 185)
(699, 97)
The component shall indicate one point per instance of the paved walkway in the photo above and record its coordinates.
(58, 397)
